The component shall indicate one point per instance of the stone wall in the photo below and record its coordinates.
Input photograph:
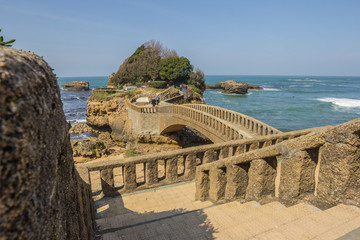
(41, 193)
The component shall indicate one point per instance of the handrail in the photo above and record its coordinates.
(190, 157)
(218, 181)
(252, 124)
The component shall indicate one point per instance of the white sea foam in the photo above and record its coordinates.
(271, 89)
(80, 120)
(304, 80)
(342, 102)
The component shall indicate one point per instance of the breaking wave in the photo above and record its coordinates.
(342, 102)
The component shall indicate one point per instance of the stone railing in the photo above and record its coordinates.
(179, 165)
(253, 175)
(253, 125)
(217, 126)
(142, 109)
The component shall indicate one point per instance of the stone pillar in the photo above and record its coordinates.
(151, 173)
(209, 156)
(190, 166)
(236, 181)
(129, 173)
(298, 174)
(224, 152)
(107, 182)
(339, 173)
(239, 149)
(262, 175)
(217, 184)
(84, 174)
(171, 170)
(202, 185)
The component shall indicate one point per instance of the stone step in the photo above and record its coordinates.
(277, 219)
(315, 225)
(129, 218)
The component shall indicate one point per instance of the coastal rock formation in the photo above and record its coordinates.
(42, 195)
(76, 86)
(233, 87)
(89, 148)
(80, 128)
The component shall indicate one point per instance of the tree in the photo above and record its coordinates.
(176, 69)
(2, 43)
(197, 79)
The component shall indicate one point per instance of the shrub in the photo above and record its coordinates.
(158, 84)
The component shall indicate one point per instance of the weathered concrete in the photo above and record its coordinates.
(262, 175)
(322, 167)
(42, 195)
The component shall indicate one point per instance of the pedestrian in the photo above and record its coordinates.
(153, 102)
(157, 99)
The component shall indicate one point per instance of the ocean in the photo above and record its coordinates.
(287, 102)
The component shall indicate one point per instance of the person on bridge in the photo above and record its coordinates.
(153, 102)
(157, 99)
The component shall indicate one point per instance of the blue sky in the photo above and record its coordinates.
(254, 37)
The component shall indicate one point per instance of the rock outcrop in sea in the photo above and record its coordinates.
(76, 86)
(233, 87)
(42, 195)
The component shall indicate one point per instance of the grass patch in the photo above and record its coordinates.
(131, 153)
(104, 96)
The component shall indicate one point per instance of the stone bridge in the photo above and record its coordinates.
(217, 124)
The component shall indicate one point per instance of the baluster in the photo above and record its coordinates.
(171, 170)
(224, 152)
(209, 156)
(151, 173)
(236, 181)
(202, 185)
(107, 182)
(129, 173)
(217, 186)
(190, 166)
(84, 174)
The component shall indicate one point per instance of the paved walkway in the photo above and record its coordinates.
(171, 212)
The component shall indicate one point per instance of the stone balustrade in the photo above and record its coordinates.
(255, 126)
(142, 109)
(179, 165)
(285, 170)
(222, 129)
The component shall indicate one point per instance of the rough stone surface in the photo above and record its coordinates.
(80, 128)
(89, 148)
(262, 175)
(76, 86)
(41, 193)
(233, 87)
(339, 176)
(298, 174)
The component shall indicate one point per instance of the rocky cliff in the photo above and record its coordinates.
(41, 194)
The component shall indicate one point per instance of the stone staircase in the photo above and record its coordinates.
(171, 212)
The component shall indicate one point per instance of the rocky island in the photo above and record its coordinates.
(152, 71)
(233, 87)
(76, 86)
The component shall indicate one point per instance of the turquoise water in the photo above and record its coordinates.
(286, 103)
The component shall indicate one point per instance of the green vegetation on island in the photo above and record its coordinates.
(159, 66)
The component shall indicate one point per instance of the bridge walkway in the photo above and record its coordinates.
(171, 212)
